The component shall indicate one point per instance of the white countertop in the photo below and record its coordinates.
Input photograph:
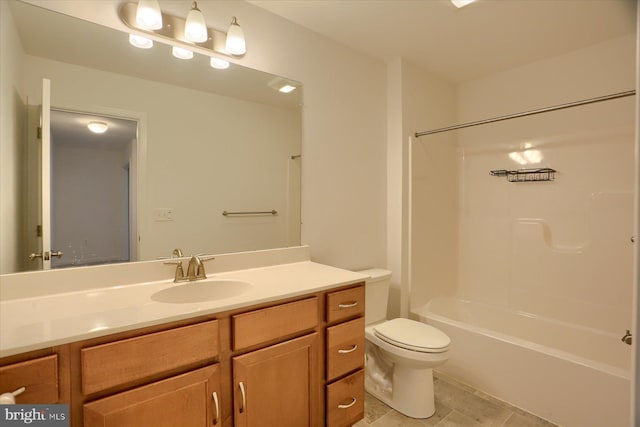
(42, 321)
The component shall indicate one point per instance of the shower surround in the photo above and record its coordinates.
(543, 269)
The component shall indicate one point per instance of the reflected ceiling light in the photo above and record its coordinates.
(526, 157)
(461, 3)
(283, 85)
(181, 53)
(287, 89)
(235, 43)
(97, 127)
(140, 42)
(148, 15)
(195, 28)
(219, 64)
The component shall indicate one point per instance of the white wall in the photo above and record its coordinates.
(12, 118)
(344, 151)
(424, 225)
(194, 146)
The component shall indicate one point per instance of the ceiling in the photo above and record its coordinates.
(461, 44)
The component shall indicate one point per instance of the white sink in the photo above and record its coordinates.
(200, 291)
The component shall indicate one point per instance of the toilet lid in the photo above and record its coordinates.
(412, 335)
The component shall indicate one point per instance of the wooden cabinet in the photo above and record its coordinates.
(38, 376)
(129, 360)
(278, 385)
(296, 362)
(190, 399)
(345, 357)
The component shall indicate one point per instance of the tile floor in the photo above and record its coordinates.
(457, 405)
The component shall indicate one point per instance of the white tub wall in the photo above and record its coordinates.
(500, 258)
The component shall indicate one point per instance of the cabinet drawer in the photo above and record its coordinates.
(345, 400)
(259, 326)
(345, 348)
(39, 377)
(183, 400)
(344, 304)
(121, 362)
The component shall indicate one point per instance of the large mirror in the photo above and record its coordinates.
(194, 158)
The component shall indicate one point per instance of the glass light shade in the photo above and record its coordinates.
(98, 127)
(219, 64)
(148, 15)
(195, 29)
(181, 53)
(235, 43)
(461, 3)
(140, 42)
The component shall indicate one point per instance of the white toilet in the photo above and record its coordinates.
(400, 353)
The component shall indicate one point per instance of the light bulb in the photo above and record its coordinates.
(219, 64)
(148, 15)
(461, 3)
(235, 43)
(140, 42)
(181, 53)
(195, 29)
(98, 127)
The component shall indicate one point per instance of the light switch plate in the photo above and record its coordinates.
(163, 214)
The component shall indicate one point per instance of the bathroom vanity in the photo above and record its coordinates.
(288, 351)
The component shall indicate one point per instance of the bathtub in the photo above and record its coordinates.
(570, 375)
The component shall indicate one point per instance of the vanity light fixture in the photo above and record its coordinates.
(195, 28)
(181, 53)
(189, 34)
(140, 42)
(219, 64)
(235, 43)
(97, 127)
(148, 15)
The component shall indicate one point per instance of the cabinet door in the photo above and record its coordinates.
(279, 385)
(189, 399)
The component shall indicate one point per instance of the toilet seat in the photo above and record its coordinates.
(412, 335)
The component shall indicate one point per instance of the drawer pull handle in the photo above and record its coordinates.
(348, 304)
(217, 406)
(348, 405)
(10, 397)
(244, 397)
(351, 350)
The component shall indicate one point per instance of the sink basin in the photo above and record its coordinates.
(201, 291)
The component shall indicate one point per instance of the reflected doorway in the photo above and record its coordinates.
(92, 189)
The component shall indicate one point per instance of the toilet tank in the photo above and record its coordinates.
(377, 294)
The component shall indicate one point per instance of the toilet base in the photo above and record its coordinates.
(411, 391)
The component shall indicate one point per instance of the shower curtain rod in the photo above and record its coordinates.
(529, 113)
